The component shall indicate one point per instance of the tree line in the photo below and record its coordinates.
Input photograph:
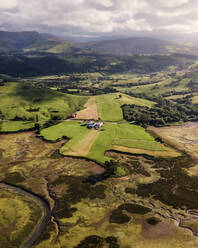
(163, 113)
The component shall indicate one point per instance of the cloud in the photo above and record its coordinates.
(8, 4)
(88, 17)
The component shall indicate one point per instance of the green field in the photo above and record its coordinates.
(70, 129)
(160, 87)
(23, 101)
(109, 105)
(126, 99)
(125, 135)
(121, 135)
(15, 126)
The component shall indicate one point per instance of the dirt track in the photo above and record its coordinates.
(90, 111)
(168, 152)
(83, 147)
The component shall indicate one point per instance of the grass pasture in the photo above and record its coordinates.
(160, 87)
(93, 144)
(109, 105)
(24, 101)
(69, 129)
(122, 135)
(81, 138)
(126, 99)
(15, 126)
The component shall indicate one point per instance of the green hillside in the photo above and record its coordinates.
(31, 41)
(15, 126)
(137, 45)
(24, 101)
(109, 105)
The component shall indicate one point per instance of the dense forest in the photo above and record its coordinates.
(40, 63)
(163, 113)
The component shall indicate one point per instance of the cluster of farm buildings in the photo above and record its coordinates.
(90, 124)
(94, 124)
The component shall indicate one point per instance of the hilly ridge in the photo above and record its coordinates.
(38, 42)
(137, 45)
(31, 41)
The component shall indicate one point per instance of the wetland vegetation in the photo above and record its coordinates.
(127, 184)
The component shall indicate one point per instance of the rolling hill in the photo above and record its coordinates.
(32, 41)
(38, 42)
(131, 46)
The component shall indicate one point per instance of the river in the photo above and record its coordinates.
(41, 225)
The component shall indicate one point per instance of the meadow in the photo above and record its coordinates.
(15, 126)
(109, 108)
(93, 144)
(123, 135)
(24, 101)
(109, 105)
(72, 130)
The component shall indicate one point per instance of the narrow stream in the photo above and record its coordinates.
(42, 222)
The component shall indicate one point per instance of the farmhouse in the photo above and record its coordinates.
(73, 115)
(93, 124)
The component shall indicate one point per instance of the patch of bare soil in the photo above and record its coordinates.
(160, 230)
(92, 167)
(184, 137)
(90, 111)
(168, 152)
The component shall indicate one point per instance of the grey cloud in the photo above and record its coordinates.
(104, 17)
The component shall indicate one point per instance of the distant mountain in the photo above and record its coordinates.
(32, 41)
(131, 46)
(37, 42)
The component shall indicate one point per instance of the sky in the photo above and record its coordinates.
(167, 19)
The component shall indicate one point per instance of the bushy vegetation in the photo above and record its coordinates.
(83, 209)
(34, 63)
(98, 242)
(164, 113)
(173, 176)
(119, 217)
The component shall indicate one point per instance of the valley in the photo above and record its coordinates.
(98, 150)
(118, 206)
